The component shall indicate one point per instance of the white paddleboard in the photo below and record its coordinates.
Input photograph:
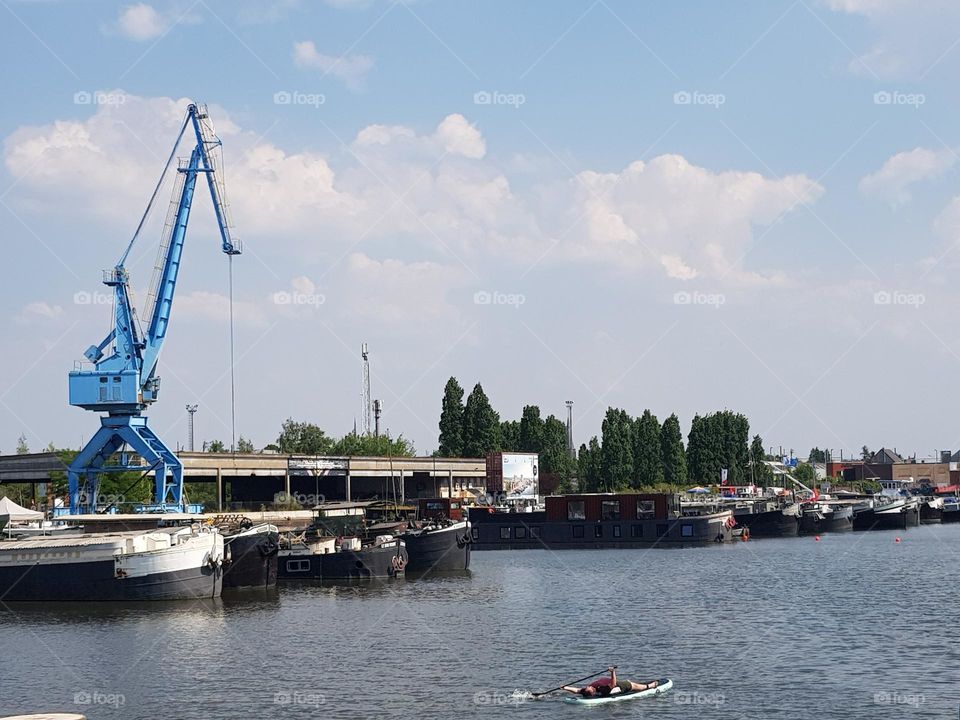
(664, 685)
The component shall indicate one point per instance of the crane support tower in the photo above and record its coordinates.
(123, 381)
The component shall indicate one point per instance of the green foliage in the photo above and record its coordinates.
(216, 446)
(589, 471)
(370, 446)
(762, 474)
(647, 462)
(805, 474)
(817, 455)
(22, 447)
(672, 454)
(554, 456)
(616, 462)
(715, 442)
(532, 430)
(481, 425)
(244, 446)
(510, 436)
(866, 453)
(451, 420)
(302, 438)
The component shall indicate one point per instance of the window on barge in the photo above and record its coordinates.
(610, 509)
(576, 510)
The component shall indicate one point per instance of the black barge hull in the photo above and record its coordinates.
(443, 550)
(253, 560)
(772, 523)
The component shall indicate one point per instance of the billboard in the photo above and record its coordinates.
(521, 472)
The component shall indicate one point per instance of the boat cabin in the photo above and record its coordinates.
(439, 508)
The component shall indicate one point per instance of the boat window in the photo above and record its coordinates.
(577, 531)
(636, 531)
(598, 531)
(610, 509)
(504, 533)
(521, 533)
(645, 509)
(686, 530)
(576, 510)
(535, 531)
(476, 533)
(616, 531)
(298, 566)
(662, 529)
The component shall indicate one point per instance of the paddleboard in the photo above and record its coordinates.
(664, 685)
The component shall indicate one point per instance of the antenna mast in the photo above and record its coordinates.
(366, 410)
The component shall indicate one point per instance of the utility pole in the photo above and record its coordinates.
(191, 410)
(570, 449)
(365, 354)
(377, 410)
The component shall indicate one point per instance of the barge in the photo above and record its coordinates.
(599, 520)
(899, 514)
(820, 517)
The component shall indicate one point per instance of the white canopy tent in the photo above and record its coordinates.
(17, 513)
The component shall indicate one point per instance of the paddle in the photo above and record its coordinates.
(572, 682)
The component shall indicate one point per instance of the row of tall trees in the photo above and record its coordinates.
(474, 429)
(635, 453)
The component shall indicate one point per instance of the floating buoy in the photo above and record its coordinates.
(896, 540)
(817, 538)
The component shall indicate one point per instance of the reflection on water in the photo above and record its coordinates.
(855, 626)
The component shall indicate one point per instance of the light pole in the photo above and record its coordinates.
(191, 409)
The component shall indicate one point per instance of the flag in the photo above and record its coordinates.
(723, 476)
(730, 522)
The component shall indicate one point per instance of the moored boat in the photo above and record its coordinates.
(951, 509)
(175, 563)
(931, 510)
(820, 517)
(897, 514)
(251, 556)
(762, 520)
(438, 546)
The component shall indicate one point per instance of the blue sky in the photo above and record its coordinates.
(683, 206)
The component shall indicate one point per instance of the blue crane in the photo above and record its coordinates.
(123, 382)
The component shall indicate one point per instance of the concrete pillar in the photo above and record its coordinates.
(403, 488)
(346, 481)
(219, 489)
(286, 482)
(450, 483)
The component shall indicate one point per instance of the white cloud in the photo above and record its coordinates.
(892, 181)
(141, 22)
(432, 194)
(39, 311)
(350, 68)
(911, 38)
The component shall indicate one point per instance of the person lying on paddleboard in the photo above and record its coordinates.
(610, 686)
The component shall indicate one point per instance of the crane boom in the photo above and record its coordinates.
(124, 382)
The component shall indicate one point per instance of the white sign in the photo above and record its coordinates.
(521, 474)
(317, 463)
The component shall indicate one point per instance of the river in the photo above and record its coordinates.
(853, 626)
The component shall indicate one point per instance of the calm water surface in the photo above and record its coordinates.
(854, 626)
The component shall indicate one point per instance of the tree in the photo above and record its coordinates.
(510, 436)
(762, 474)
(672, 455)
(373, 446)
(303, 438)
(244, 446)
(805, 474)
(866, 453)
(554, 456)
(531, 430)
(22, 448)
(481, 425)
(616, 451)
(451, 420)
(589, 470)
(215, 446)
(817, 455)
(647, 465)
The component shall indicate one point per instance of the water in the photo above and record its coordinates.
(854, 626)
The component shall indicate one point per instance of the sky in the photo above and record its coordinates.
(687, 206)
